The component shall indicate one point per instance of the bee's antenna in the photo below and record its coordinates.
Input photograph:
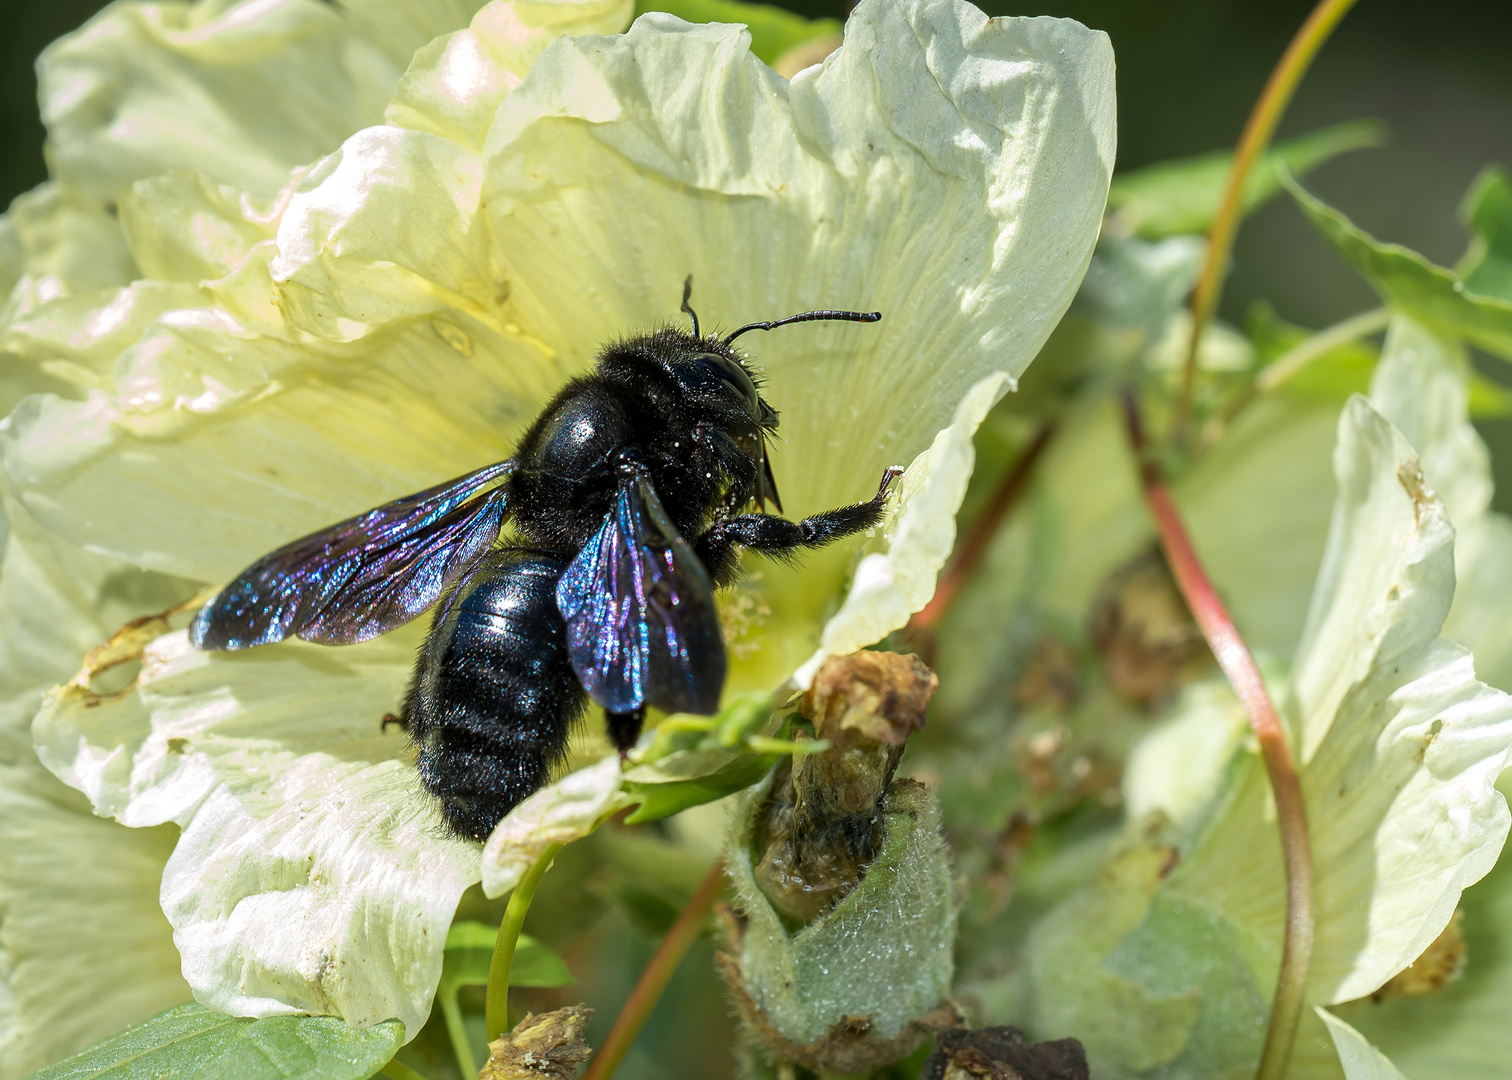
(687, 293)
(809, 316)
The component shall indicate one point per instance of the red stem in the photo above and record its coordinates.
(1239, 666)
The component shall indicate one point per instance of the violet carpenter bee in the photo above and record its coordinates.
(598, 591)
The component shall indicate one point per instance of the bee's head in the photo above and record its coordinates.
(714, 376)
(719, 356)
(732, 379)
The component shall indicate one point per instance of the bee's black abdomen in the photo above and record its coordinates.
(494, 694)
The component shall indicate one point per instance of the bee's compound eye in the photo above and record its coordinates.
(732, 373)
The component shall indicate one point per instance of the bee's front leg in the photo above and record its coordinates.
(783, 539)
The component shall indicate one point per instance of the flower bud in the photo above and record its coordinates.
(840, 958)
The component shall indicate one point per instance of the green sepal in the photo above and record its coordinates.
(469, 948)
(658, 801)
(1174, 197)
(774, 30)
(1410, 283)
(190, 1041)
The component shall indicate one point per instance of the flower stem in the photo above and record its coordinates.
(653, 980)
(398, 1070)
(1258, 130)
(457, 1030)
(1239, 665)
(974, 547)
(496, 1013)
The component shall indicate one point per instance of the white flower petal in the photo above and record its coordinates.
(80, 339)
(313, 874)
(84, 948)
(1478, 618)
(53, 244)
(182, 226)
(389, 229)
(912, 172)
(1406, 814)
(65, 243)
(888, 588)
(1361, 1061)
(559, 813)
(1459, 1031)
(1422, 385)
(943, 168)
(1388, 570)
(973, 247)
(457, 81)
(333, 897)
(57, 602)
(244, 93)
(1401, 803)
(399, 27)
(220, 443)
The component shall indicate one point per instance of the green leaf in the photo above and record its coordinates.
(467, 967)
(471, 934)
(1410, 283)
(1332, 377)
(1124, 1026)
(1487, 213)
(774, 30)
(536, 965)
(1174, 197)
(189, 1042)
(658, 801)
(469, 950)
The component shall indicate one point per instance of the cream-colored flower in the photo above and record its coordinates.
(396, 317)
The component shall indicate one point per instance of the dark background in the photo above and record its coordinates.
(1188, 73)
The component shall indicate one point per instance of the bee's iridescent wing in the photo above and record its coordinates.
(361, 577)
(642, 628)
